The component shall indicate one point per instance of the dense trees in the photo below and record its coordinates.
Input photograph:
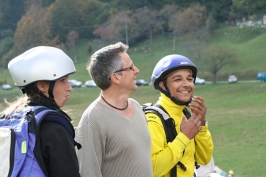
(10, 13)
(27, 23)
(33, 29)
(115, 28)
(191, 19)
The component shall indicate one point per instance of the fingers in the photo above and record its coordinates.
(198, 107)
(197, 101)
(184, 119)
(191, 127)
(199, 125)
(196, 120)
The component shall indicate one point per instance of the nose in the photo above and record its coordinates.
(69, 88)
(185, 82)
(136, 70)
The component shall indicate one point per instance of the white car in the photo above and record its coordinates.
(75, 83)
(199, 81)
(141, 82)
(6, 87)
(232, 79)
(90, 83)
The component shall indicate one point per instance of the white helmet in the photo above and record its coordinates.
(40, 63)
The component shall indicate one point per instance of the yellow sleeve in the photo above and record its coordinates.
(203, 146)
(164, 155)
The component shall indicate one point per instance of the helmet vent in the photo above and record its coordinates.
(24, 81)
(54, 75)
(182, 63)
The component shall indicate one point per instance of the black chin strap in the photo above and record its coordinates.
(181, 103)
(33, 88)
(51, 89)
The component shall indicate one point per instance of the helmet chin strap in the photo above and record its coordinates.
(178, 102)
(51, 89)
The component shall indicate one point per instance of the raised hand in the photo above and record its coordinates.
(198, 107)
(190, 127)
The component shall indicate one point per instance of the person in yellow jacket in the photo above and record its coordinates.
(174, 76)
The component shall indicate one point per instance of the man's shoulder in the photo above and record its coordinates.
(134, 101)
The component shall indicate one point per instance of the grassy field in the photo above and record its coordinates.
(236, 116)
(235, 111)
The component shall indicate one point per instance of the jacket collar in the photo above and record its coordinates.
(173, 109)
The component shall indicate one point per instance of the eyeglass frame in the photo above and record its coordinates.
(126, 69)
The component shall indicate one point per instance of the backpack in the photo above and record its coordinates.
(20, 150)
(168, 125)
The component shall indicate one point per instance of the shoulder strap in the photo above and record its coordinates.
(40, 112)
(186, 113)
(167, 121)
(168, 124)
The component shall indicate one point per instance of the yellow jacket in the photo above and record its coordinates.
(166, 155)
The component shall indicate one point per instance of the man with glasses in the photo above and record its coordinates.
(113, 130)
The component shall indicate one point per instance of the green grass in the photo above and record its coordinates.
(235, 111)
(236, 117)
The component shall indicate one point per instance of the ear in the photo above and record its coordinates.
(43, 86)
(114, 78)
(161, 84)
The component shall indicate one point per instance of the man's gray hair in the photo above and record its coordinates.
(104, 62)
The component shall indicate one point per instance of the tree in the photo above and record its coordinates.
(92, 13)
(218, 8)
(7, 57)
(216, 57)
(245, 8)
(165, 14)
(82, 16)
(64, 17)
(190, 19)
(71, 40)
(114, 29)
(5, 46)
(10, 13)
(47, 3)
(33, 29)
(147, 22)
(200, 34)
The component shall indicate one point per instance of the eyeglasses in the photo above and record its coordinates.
(126, 69)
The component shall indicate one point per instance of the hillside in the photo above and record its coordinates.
(235, 111)
(246, 42)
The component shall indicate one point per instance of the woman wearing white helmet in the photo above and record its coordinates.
(42, 74)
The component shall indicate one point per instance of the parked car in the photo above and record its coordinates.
(232, 79)
(141, 82)
(6, 87)
(199, 81)
(90, 83)
(75, 83)
(261, 76)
